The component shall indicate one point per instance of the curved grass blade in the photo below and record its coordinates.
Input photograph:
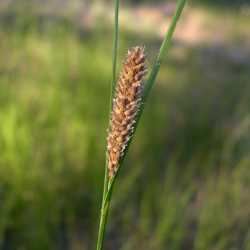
(149, 83)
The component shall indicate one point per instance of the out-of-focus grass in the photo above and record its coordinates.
(186, 182)
(53, 106)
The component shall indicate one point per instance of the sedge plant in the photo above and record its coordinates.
(127, 99)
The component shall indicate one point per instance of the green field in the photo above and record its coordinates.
(186, 182)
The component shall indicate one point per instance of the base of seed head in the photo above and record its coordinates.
(126, 104)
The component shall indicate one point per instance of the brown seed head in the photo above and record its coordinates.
(126, 103)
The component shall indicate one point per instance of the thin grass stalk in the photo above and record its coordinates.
(105, 203)
(103, 223)
(115, 47)
(163, 49)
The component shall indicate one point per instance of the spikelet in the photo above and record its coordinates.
(126, 104)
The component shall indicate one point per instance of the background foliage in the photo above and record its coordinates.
(186, 183)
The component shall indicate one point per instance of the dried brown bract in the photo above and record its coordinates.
(126, 104)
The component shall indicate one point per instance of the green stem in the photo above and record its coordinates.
(115, 44)
(164, 48)
(106, 203)
(103, 214)
(103, 223)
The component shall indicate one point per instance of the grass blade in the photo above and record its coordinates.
(151, 80)
(105, 205)
(164, 48)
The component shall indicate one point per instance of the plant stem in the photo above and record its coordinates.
(103, 222)
(115, 44)
(106, 202)
(164, 48)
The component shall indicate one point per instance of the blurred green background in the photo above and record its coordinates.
(186, 182)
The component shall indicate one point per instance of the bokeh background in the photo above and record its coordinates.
(186, 182)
